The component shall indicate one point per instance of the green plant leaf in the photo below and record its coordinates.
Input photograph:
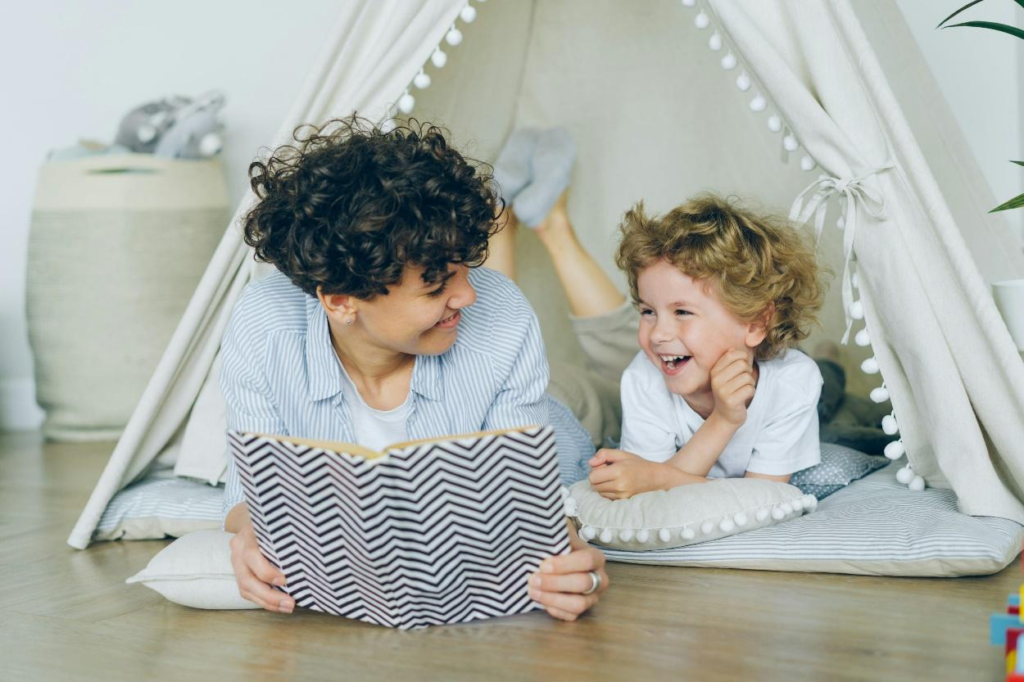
(991, 25)
(1019, 163)
(968, 5)
(1016, 202)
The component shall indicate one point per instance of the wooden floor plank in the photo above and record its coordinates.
(67, 615)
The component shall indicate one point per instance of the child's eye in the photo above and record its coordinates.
(646, 311)
(438, 291)
(683, 312)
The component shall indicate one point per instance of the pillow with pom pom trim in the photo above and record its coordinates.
(685, 515)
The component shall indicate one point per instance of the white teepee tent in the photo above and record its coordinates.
(647, 90)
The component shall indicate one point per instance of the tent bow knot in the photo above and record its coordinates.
(852, 191)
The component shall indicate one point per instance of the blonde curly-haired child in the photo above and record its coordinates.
(717, 389)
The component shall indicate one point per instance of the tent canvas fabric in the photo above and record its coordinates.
(657, 117)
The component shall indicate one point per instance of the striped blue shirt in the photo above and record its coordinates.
(280, 374)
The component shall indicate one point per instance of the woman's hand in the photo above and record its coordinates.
(254, 574)
(733, 384)
(627, 474)
(561, 581)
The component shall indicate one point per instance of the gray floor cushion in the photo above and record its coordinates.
(874, 526)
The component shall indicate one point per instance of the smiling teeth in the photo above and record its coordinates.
(671, 360)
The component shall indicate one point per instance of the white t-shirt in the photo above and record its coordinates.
(375, 429)
(779, 437)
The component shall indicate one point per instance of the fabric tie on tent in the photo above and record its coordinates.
(814, 200)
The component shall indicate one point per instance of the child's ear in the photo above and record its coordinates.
(757, 329)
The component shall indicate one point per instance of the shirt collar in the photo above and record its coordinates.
(324, 370)
(322, 366)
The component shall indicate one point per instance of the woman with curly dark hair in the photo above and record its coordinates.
(379, 326)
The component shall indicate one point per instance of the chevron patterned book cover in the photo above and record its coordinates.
(424, 533)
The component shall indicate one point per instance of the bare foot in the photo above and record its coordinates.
(556, 227)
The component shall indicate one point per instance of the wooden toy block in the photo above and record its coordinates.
(1013, 638)
(999, 624)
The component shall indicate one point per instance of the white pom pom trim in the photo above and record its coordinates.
(453, 37)
(790, 144)
(879, 395)
(807, 164)
(729, 62)
(741, 519)
(862, 338)
(761, 515)
(774, 123)
(439, 58)
(688, 534)
(468, 14)
(743, 82)
(702, 21)
(895, 449)
(917, 484)
(869, 366)
(889, 425)
(857, 310)
(778, 514)
(606, 536)
(626, 535)
(758, 104)
(588, 532)
(715, 42)
(707, 528)
(727, 526)
(422, 81)
(642, 536)
(905, 475)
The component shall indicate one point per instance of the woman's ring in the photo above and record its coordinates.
(595, 582)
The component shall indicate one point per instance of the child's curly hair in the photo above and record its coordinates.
(349, 206)
(755, 263)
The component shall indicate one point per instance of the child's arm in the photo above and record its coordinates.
(628, 474)
(732, 383)
(769, 477)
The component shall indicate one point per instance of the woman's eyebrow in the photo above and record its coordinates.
(445, 278)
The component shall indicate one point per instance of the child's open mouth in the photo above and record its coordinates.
(450, 321)
(673, 364)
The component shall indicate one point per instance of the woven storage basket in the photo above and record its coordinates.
(116, 249)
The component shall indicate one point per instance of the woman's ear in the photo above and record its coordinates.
(757, 329)
(341, 308)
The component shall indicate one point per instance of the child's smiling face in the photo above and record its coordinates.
(680, 317)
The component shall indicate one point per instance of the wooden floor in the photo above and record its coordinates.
(67, 615)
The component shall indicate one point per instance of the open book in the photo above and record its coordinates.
(427, 532)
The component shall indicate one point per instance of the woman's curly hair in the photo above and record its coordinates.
(755, 263)
(349, 205)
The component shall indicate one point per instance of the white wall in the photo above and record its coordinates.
(72, 69)
(979, 71)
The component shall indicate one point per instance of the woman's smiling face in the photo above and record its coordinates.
(413, 318)
(685, 328)
(416, 317)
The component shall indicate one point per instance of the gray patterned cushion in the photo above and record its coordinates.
(839, 467)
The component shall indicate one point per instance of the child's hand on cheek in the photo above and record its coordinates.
(733, 384)
(628, 474)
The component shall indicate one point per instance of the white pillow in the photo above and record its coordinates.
(195, 570)
(684, 515)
